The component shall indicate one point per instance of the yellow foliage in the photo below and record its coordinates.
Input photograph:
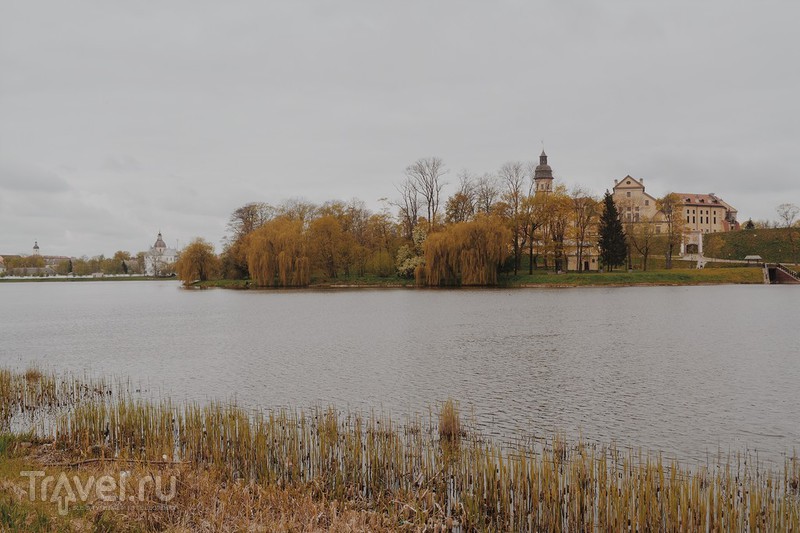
(467, 253)
(276, 254)
(197, 262)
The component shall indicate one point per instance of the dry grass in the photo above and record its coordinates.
(449, 422)
(33, 374)
(205, 501)
(329, 470)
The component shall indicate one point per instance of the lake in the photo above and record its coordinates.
(687, 371)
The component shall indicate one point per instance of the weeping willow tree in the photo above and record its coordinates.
(276, 254)
(197, 262)
(467, 253)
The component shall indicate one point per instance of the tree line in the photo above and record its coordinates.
(492, 224)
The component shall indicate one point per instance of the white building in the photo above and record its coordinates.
(159, 257)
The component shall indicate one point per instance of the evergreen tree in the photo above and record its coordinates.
(613, 246)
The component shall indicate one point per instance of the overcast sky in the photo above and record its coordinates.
(118, 119)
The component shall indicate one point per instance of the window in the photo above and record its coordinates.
(628, 194)
(687, 219)
(693, 220)
(628, 182)
(658, 228)
(715, 220)
(647, 202)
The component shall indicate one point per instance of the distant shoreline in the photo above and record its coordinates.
(651, 278)
(655, 278)
(53, 279)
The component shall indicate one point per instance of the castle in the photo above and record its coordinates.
(699, 213)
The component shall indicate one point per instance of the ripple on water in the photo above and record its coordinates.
(681, 370)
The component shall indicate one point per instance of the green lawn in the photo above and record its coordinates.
(650, 277)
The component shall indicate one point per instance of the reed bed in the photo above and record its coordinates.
(35, 391)
(429, 474)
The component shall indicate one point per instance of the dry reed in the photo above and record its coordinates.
(412, 473)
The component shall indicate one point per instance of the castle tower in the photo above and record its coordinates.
(35, 247)
(543, 176)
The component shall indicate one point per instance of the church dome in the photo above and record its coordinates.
(159, 242)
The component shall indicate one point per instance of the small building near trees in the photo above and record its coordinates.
(159, 258)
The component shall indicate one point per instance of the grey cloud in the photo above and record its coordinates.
(122, 164)
(28, 178)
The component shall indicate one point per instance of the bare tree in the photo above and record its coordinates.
(787, 213)
(461, 206)
(297, 209)
(670, 207)
(486, 193)
(513, 176)
(585, 212)
(425, 174)
(247, 218)
(408, 206)
(641, 237)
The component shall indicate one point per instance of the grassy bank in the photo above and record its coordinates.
(541, 278)
(777, 245)
(243, 470)
(649, 277)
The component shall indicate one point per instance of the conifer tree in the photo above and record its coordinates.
(613, 246)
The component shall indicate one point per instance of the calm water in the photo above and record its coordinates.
(684, 370)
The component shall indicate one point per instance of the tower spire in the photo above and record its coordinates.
(543, 175)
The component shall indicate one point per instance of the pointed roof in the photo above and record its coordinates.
(628, 182)
(543, 170)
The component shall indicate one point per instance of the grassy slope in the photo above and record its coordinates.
(650, 277)
(774, 245)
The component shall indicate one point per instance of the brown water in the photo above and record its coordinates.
(684, 370)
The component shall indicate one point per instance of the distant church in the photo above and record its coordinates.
(158, 257)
